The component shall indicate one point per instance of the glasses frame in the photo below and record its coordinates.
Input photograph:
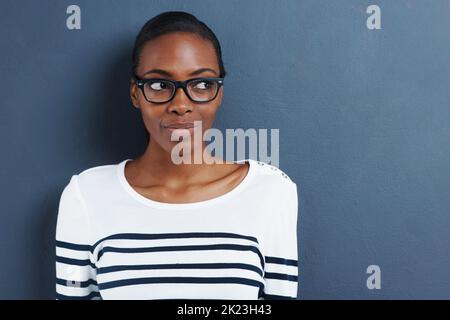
(178, 84)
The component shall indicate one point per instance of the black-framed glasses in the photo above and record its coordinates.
(200, 90)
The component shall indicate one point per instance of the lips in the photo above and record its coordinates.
(179, 125)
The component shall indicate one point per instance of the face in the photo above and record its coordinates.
(176, 56)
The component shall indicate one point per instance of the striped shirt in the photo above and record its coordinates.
(114, 243)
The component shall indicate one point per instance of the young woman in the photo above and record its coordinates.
(149, 228)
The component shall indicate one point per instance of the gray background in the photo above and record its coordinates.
(364, 118)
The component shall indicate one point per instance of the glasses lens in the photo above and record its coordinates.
(202, 89)
(158, 90)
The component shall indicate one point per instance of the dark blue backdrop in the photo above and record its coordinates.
(363, 117)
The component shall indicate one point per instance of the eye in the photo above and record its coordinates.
(202, 85)
(158, 85)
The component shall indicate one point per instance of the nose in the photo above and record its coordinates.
(180, 103)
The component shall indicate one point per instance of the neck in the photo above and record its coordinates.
(157, 162)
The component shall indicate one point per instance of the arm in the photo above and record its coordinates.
(75, 270)
(280, 249)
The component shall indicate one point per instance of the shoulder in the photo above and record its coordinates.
(272, 185)
(272, 176)
(277, 196)
(95, 178)
(74, 215)
(97, 173)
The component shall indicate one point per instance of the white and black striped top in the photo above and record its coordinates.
(114, 243)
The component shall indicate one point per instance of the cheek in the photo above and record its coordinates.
(151, 116)
(208, 114)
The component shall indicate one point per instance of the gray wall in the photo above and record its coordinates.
(363, 117)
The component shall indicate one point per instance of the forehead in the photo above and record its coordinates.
(178, 53)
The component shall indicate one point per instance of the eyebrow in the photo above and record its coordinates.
(168, 74)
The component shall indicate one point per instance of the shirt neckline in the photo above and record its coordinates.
(189, 205)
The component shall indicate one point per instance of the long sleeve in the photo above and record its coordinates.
(75, 270)
(280, 249)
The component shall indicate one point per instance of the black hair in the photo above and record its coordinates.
(174, 21)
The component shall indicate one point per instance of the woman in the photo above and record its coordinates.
(149, 228)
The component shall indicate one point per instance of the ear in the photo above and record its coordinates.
(134, 94)
(220, 96)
